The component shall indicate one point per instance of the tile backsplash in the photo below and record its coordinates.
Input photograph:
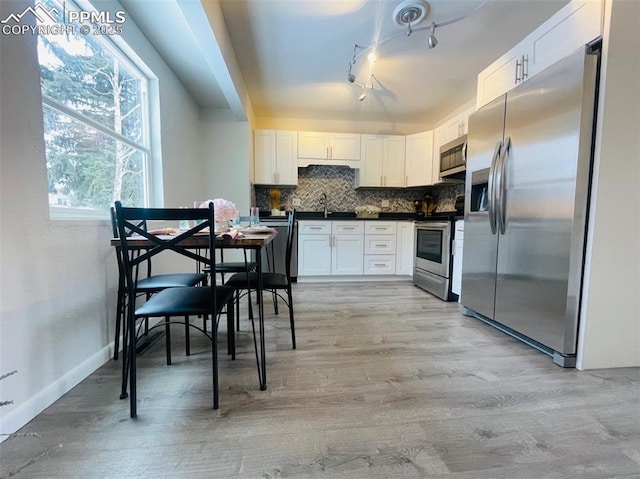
(338, 183)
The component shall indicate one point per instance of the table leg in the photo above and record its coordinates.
(263, 355)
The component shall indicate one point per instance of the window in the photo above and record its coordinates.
(94, 103)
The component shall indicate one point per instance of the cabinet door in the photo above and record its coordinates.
(380, 244)
(264, 157)
(380, 264)
(347, 255)
(313, 144)
(345, 146)
(370, 173)
(405, 244)
(453, 128)
(287, 158)
(465, 118)
(439, 139)
(419, 159)
(501, 76)
(575, 25)
(314, 255)
(393, 164)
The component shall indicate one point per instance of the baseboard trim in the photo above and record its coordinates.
(28, 410)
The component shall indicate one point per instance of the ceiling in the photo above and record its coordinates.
(294, 54)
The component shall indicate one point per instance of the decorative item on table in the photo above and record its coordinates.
(224, 211)
(367, 211)
(254, 216)
(274, 199)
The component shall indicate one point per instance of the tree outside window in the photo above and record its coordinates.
(95, 121)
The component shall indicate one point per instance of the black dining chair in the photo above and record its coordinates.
(170, 303)
(277, 283)
(148, 285)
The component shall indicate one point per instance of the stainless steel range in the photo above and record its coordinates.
(432, 266)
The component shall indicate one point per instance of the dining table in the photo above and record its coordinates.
(250, 239)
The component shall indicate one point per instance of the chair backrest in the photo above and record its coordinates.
(116, 234)
(291, 225)
(134, 237)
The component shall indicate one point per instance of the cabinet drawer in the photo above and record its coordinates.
(380, 227)
(314, 227)
(379, 264)
(380, 244)
(347, 227)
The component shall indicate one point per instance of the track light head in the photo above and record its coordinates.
(351, 77)
(432, 41)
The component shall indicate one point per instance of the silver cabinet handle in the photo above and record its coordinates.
(525, 67)
(381, 246)
(518, 65)
(315, 227)
(380, 264)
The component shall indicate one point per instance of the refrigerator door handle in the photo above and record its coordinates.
(502, 206)
(492, 187)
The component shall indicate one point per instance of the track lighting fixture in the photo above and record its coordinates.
(350, 76)
(363, 95)
(409, 14)
(432, 41)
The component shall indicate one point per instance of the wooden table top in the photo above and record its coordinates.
(247, 241)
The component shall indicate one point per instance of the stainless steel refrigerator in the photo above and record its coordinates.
(529, 157)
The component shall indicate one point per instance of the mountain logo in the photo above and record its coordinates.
(39, 11)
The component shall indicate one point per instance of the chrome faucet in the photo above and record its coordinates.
(323, 202)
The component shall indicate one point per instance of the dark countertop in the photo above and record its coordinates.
(350, 215)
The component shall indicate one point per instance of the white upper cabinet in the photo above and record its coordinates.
(419, 159)
(576, 24)
(383, 161)
(328, 148)
(275, 157)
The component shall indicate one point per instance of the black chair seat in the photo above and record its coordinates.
(184, 302)
(233, 267)
(269, 281)
(163, 281)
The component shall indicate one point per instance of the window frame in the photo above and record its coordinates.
(120, 50)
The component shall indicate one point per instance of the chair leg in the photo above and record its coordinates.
(291, 322)
(275, 301)
(231, 336)
(125, 358)
(167, 330)
(120, 320)
(214, 360)
(133, 396)
(187, 338)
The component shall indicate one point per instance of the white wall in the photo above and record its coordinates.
(610, 320)
(226, 158)
(58, 278)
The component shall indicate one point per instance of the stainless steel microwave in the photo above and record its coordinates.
(453, 158)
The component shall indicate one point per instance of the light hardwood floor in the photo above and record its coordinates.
(387, 382)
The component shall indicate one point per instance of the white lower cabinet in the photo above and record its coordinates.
(380, 247)
(327, 248)
(354, 248)
(314, 254)
(405, 247)
(458, 239)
